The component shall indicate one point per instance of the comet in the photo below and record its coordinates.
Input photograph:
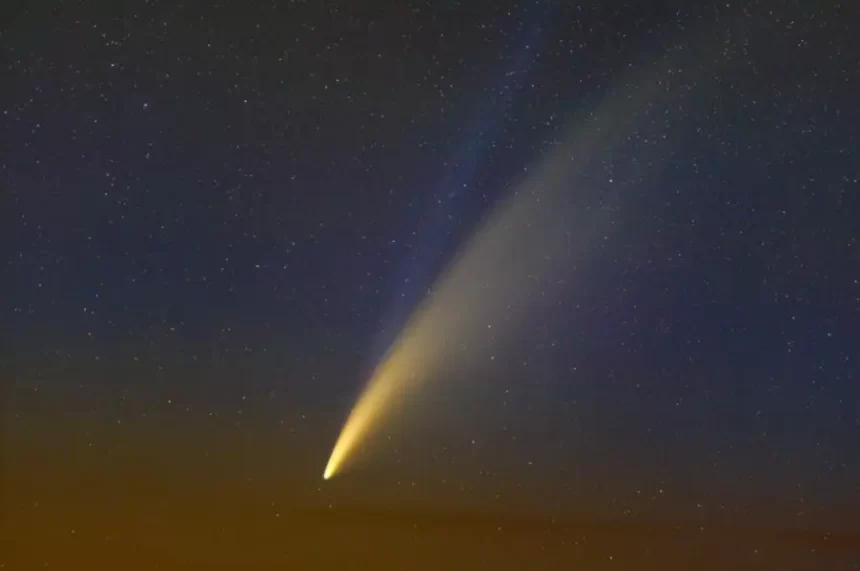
(513, 264)
(519, 261)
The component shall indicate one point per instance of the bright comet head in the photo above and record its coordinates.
(388, 380)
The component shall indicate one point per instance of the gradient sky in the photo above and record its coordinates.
(216, 218)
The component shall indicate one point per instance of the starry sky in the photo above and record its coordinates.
(217, 217)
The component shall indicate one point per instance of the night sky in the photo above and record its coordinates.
(217, 217)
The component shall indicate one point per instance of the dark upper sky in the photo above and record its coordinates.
(216, 217)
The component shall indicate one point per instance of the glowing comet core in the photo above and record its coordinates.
(389, 379)
(368, 408)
